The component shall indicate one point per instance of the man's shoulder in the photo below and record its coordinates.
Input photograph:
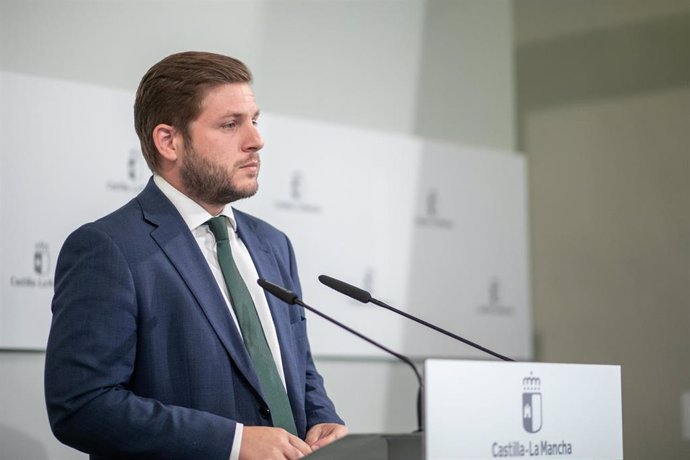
(129, 220)
(120, 219)
(255, 224)
(133, 214)
(114, 226)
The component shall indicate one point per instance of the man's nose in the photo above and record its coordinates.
(253, 141)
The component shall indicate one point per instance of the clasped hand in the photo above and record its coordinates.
(267, 443)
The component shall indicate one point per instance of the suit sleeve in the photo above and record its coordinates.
(318, 406)
(90, 356)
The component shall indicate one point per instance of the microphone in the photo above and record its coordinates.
(291, 298)
(364, 297)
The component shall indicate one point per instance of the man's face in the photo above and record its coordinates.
(221, 160)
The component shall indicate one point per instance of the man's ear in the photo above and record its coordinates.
(168, 141)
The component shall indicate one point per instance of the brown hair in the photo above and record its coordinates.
(172, 90)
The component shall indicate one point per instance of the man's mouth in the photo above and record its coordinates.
(251, 164)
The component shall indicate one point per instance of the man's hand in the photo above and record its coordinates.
(324, 433)
(268, 443)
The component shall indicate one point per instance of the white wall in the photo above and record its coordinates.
(611, 200)
(440, 69)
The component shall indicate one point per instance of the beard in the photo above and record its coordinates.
(210, 183)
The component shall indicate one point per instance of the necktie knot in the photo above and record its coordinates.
(219, 228)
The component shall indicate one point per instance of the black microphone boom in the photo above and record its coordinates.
(291, 298)
(364, 297)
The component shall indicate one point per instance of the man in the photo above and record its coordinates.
(161, 344)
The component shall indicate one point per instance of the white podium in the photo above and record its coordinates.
(478, 410)
(485, 410)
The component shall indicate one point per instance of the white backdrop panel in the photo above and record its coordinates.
(66, 152)
(434, 229)
(343, 196)
(469, 271)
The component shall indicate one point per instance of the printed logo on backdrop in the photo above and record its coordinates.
(431, 215)
(37, 271)
(133, 175)
(297, 197)
(296, 185)
(531, 404)
(41, 259)
(495, 305)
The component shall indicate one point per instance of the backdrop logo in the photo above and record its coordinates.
(136, 166)
(41, 259)
(431, 215)
(495, 306)
(39, 262)
(298, 196)
(432, 203)
(531, 404)
(135, 173)
(296, 183)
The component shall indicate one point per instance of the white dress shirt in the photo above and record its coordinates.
(196, 217)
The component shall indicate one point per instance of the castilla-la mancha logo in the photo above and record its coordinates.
(41, 259)
(431, 215)
(531, 404)
(299, 196)
(42, 269)
(136, 174)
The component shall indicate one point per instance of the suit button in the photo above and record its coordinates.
(265, 412)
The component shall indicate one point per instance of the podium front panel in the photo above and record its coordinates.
(485, 410)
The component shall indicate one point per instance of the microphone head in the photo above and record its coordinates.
(347, 289)
(283, 294)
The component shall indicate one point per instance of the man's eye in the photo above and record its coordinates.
(230, 125)
(255, 122)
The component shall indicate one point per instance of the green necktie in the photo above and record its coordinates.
(252, 332)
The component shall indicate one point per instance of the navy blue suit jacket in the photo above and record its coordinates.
(144, 359)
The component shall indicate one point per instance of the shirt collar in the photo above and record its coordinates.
(192, 213)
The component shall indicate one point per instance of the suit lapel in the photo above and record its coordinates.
(267, 268)
(175, 240)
